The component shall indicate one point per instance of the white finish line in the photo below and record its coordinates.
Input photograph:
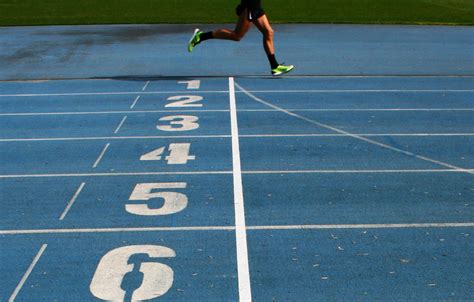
(240, 228)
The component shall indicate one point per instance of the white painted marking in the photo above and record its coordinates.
(146, 85)
(115, 174)
(110, 138)
(113, 112)
(359, 109)
(116, 230)
(226, 136)
(395, 76)
(232, 228)
(252, 91)
(240, 231)
(71, 202)
(120, 124)
(105, 93)
(193, 84)
(135, 102)
(362, 226)
(100, 156)
(225, 110)
(156, 281)
(179, 123)
(178, 154)
(353, 135)
(355, 171)
(360, 134)
(359, 90)
(173, 202)
(27, 273)
(184, 101)
(5, 176)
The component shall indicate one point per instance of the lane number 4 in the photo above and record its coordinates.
(178, 154)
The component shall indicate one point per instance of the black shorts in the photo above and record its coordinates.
(253, 7)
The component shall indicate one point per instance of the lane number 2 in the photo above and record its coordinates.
(184, 101)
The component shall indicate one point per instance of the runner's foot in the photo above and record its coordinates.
(195, 39)
(282, 69)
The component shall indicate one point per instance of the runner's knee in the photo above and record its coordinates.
(237, 36)
(268, 34)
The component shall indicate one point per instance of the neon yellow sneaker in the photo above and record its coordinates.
(282, 69)
(195, 39)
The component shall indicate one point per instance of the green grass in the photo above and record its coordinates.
(42, 12)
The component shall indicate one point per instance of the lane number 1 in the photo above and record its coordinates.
(193, 84)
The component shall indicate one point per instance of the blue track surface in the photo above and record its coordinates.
(354, 188)
(160, 50)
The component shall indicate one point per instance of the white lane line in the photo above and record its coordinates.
(360, 134)
(311, 121)
(120, 125)
(6, 176)
(146, 85)
(240, 110)
(116, 230)
(349, 76)
(360, 110)
(107, 93)
(110, 138)
(356, 171)
(113, 174)
(111, 112)
(71, 202)
(227, 136)
(96, 163)
(357, 90)
(232, 228)
(240, 231)
(135, 102)
(27, 273)
(251, 91)
(362, 226)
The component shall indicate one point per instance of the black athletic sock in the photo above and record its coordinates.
(206, 36)
(273, 62)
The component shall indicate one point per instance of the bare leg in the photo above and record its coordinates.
(265, 28)
(241, 28)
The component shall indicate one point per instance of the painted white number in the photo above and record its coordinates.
(194, 84)
(179, 154)
(179, 123)
(137, 261)
(185, 101)
(173, 202)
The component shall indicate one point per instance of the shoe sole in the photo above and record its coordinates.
(280, 73)
(192, 38)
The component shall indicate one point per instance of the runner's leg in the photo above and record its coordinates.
(266, 29)
(241, 28)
